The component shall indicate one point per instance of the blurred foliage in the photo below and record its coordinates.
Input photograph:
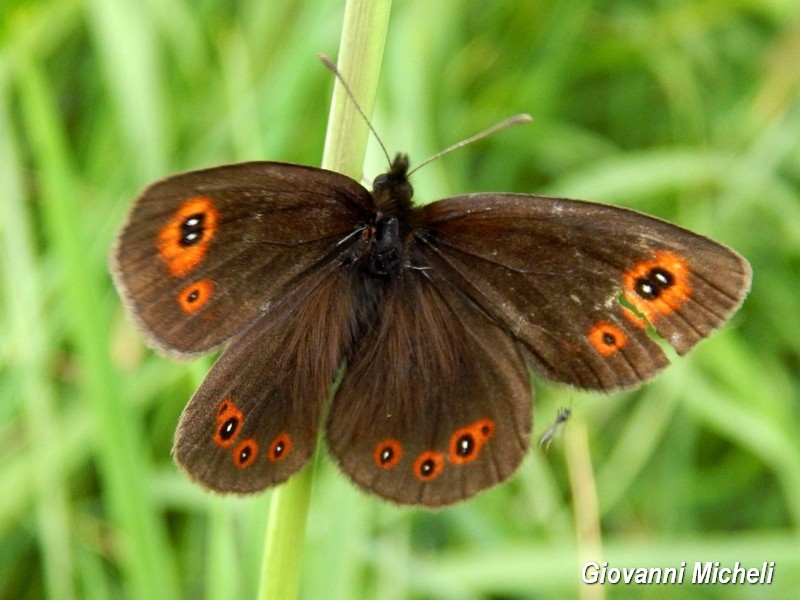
(686, 109)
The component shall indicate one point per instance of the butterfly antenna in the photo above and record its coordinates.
(332, 68)
(510, 122)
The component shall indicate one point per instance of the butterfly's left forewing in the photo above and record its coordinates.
(204, 253)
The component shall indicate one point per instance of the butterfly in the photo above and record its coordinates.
(436, 313)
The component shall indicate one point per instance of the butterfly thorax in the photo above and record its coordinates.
(383, 253)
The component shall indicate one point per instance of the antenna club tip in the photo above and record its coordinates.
(325, 60)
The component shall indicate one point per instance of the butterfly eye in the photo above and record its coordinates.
(380, 180)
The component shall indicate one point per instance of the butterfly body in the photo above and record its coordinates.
(437, 311)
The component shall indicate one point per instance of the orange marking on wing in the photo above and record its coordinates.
(229, 422)
(245, 453)
(428, 466)
(183, 242)
(658, 287)
(466, 443)
(280, 447)
(388, 453)
(607, 338)
(195, 295)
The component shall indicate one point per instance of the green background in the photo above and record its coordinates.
(688, 110)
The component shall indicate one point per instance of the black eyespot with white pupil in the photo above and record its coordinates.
(609, 339)
(653, 284)
(427, 467)
(228, 429)
(244, 454)
(387, 454)
(192, 229)
(278, 449)
(465, 445)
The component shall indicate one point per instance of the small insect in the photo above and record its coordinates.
(555, 429)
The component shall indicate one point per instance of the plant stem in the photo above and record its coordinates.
(360, 54)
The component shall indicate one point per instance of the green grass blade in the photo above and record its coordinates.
(145, 560)
(29, 341)
(360, 55)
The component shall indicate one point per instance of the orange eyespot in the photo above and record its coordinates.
(229, 422)
(183, 242)
(388, 453)
(195, 295)
(466, 443)
(245, 453)
(657, 287)
(486, 428)
(607, 338)
(280, 447)
(428, 466)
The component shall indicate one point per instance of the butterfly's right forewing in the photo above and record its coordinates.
(578, 283)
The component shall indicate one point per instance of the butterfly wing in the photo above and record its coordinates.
(552, 272)
(203, 253)
(253, 421)
(436, 401)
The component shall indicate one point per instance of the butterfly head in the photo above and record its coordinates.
(392, 190)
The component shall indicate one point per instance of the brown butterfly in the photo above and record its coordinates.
(437, 311)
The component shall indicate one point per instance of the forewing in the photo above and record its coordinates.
(552, 271)
(203, 253)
